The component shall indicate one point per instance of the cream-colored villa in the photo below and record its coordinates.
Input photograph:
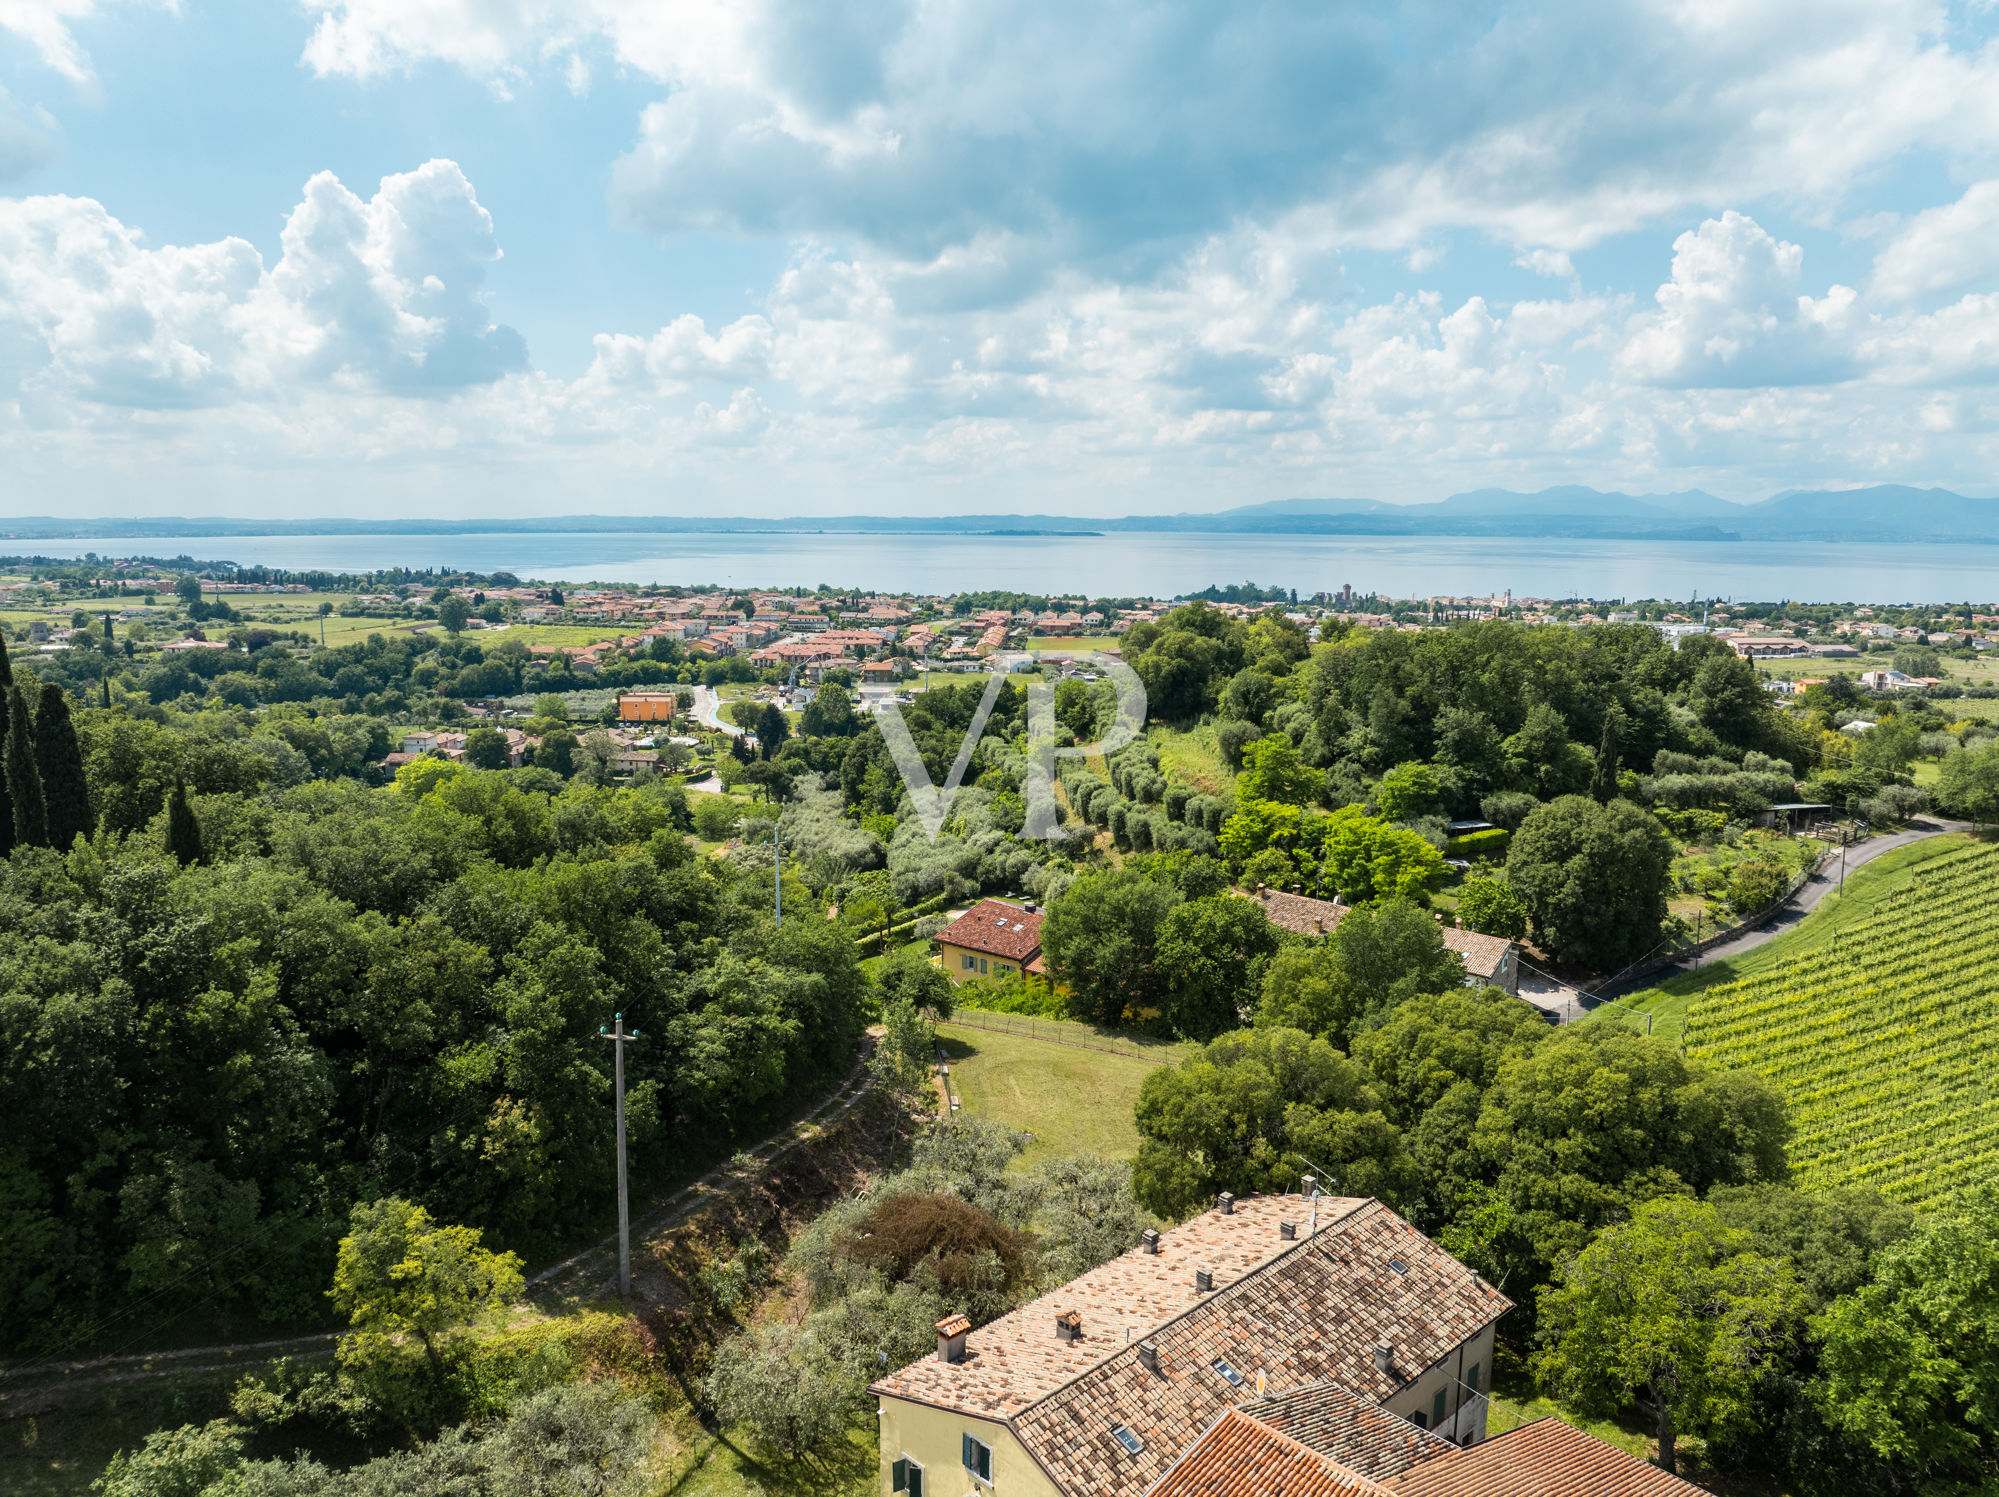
(1276, 1344)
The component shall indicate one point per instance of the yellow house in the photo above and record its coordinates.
(991, 939)
(1328, 1313)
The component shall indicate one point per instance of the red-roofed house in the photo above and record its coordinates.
(990, 939)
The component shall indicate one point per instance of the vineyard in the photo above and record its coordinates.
(1881, 1037)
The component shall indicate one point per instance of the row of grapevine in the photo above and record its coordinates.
(1881, 1039)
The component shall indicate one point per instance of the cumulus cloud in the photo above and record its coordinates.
(1245, 360)
(381, 294)
(1943, 249)
(1087, 130)
(1546, 262)
(1732, 317)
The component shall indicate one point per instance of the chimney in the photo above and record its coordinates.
(1069, 1326)
(1204, 1280)
(1288, 1231)
(951, 1338)
(1148, 1355)
(1320, 925)
(1227, 1202)
(1148, 1241)
(1384, 1358)
(1261, 891)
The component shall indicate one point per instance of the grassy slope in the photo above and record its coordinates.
(1073, 1101)
(1667, 1003)
(1193, 757)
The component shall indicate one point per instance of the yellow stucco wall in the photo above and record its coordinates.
(952, 959)
(1420, 1396)
(932, 1438)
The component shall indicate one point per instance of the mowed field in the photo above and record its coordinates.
(1073, 1100)
(1876, 1022)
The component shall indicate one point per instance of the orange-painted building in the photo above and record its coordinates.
(646, 707)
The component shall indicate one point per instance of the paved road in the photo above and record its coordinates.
(1801, 904)
(1551, 995)
(707, 712)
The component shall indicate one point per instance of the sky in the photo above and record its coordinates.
(533, 257)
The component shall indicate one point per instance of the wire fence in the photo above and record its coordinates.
(1061, 1032)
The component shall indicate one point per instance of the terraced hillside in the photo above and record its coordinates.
(1883, 1038)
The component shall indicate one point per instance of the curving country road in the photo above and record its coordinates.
(1785, 916)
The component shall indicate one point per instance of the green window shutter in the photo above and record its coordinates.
(915, 1480)
(965, 1456)
(1437, 1408)
(898, 1475)
(1471, 1379)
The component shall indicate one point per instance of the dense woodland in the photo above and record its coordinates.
(249, 984)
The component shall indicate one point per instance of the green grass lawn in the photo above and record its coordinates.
(1075, 642)
(1073, 1101)
(1667, 1003)
(1193, 757)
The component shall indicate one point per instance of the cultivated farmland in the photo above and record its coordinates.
(1881, 1038)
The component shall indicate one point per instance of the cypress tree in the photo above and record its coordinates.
(107, 693)
(1603, 784)
(183, 827)
(59, 757)
(24, 780)
(6, 800)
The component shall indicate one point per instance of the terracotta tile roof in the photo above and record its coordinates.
(1301, 1312)
(1299, 914)
(1016, 1361)
(1333, 1421)
(1482, 954)
(1311, 1315)
(1306, 916)
(1239, 1457)
(997, 928)
(1544, 1459)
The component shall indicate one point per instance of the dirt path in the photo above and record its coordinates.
(582, 1275)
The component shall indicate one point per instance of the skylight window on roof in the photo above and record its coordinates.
(1131, 1442)
(1220, 1364)
(1398, 1265)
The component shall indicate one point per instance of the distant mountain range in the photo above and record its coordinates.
(1890, 512)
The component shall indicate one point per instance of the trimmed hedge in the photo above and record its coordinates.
(1489, 844)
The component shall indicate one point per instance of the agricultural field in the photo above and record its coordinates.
(1876, 1027)
(1073, 1100)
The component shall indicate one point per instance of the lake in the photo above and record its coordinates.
(1139, 564)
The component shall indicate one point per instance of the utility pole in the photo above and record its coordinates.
(777, 876)
(619, 1039)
